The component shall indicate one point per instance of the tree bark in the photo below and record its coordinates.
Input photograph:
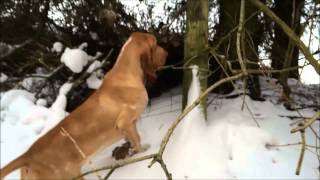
(285, 54)
(195, 47)
(251, 37)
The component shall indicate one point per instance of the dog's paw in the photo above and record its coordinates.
(122, 151)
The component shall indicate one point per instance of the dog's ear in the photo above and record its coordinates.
(147, 64)
(159, 56)
(148, 67)
(151, 40)
(153, 58)
(151, 61)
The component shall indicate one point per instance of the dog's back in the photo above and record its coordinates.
(89, 127)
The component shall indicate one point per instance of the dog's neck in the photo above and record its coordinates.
(129, 63)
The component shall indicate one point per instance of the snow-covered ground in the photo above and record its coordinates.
(228, 145)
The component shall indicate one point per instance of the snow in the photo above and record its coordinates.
(5, 48)
(83, 46)
(41, 102)
(94, 35)
(57, 47)
(228, 145)
(96, 64)
(75, 59)
(192, 130)
(94, 81)
(98, 55)
(9, 97)
(3, 77)
(22, 121)
(57, 109)
(75, 30)
(32, 83)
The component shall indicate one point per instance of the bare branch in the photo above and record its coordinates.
(307, 123)
(301, 127)
(303, 148)
(15, 48)
(239, 33)
(295, 39)
(117, 165)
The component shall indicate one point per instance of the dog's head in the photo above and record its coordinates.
(153, 57)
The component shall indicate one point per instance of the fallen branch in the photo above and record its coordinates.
(117, 165)
(307, 123)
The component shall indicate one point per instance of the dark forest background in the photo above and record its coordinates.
(28, 29)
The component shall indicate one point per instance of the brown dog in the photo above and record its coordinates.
(107, 116)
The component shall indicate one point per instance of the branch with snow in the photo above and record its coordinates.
(12, 49)
(75, 59)
(91, 70)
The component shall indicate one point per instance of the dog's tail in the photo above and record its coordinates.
(15, 164)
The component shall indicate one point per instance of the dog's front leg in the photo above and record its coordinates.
(126, 123)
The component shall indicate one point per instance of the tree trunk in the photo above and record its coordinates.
(252, 32)
(284, 54)
(195, 46)
(253, 36)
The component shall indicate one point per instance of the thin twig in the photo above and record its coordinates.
(292, 144)
(165, 169)
(303, 148)
(307, 123)
(117, 165)
(262, 71)
(233, 84)
(109, 173)
(301, 127)
(83, 155)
